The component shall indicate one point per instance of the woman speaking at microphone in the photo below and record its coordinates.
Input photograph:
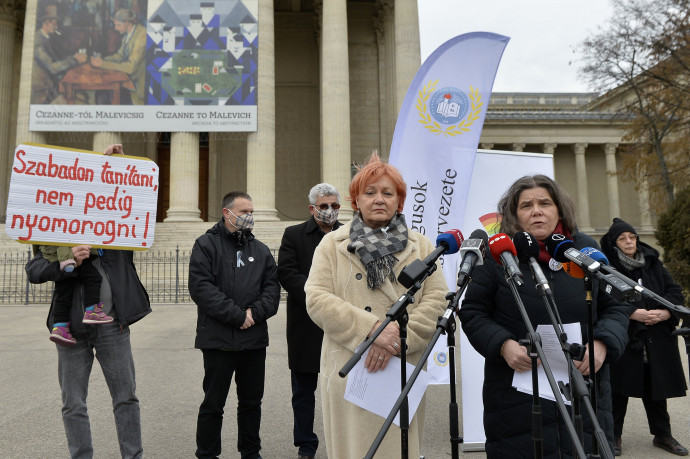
(493, 324)
(650, 367)
(351, 286)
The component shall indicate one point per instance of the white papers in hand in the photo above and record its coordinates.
(378, 392)
(554, 354)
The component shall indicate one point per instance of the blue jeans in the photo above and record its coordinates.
(114, 353)
(249, 368)
(303, 403)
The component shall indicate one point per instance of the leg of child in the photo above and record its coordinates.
(91, 279)
(60, 333)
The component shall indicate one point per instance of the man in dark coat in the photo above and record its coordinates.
(650, 367)
(303, 335)
(234, 282)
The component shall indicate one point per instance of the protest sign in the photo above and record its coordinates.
(61, 196)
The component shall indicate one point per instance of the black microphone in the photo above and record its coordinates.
(447, 243)
(527, 249)
(563, 250)
(503, 251)
(472, 251)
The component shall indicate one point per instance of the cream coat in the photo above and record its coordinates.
(337, 296)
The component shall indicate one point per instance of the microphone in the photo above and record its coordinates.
(562, 249)
(472, 251)
(527, 249)
(503, 251)
(447, 243)
(596, 255)
(573, 269)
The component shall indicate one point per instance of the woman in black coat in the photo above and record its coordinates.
(493, 324)
(650, 367)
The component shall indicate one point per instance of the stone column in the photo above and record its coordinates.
(519, 147)
(612, 180)
(335, 99)
(8, 27)
(645, 210)
(261, 145)
(184, 178)
(103, 139)
(22, 133)
(584, 222)
(550, 148)
(214, 193)
(407, 54)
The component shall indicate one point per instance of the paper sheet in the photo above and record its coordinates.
(554, 354)
(377, 392)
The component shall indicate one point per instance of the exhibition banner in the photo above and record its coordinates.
(435, 143)
(149, 66)
(69, 197)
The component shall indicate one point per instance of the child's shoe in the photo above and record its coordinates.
(62, 336)
(95, 315)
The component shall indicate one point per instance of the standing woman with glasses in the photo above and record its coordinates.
(650, 367)
(352, 284)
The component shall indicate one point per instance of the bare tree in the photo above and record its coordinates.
(641, 62)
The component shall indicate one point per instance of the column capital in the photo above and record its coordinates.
(579, 148)
(486, 146)
(8, 12)
(610, 148)
(519, 146)
(550, 148)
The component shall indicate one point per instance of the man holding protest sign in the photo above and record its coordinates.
(125, 299)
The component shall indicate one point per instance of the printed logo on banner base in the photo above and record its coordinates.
(441, 358)
(448, 106)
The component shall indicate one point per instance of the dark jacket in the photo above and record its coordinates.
(489, 316)
(294, 261)
(223, 291)
(666, 375)
(130, 300)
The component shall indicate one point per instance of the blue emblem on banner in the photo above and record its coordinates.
(449, 105)
(441, 359)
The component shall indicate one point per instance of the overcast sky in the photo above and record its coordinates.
(540, 56)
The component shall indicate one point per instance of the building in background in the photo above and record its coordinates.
(331, 78)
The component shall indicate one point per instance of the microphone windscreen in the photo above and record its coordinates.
(595, 255)
(500, 243)
(526, 246)
(556, 245)
(573, 269)
(480, 234)
(453, 239)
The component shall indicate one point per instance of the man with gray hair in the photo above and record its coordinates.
(303, 336)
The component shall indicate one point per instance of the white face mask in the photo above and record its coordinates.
(244, 222)
(328, 216)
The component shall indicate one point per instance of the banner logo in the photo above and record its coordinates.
(448, 106)
(441, 359)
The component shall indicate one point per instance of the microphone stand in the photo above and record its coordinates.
(445, 324)
(590, 344)
(397, 312)
(533, 344)
(577, 389)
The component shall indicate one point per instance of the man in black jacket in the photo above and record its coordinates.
(303, 335)
(234, 282)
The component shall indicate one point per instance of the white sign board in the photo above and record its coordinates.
(68, 197)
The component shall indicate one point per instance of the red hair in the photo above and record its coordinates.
(371, 172)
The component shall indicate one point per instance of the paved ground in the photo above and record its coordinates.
(169, 374)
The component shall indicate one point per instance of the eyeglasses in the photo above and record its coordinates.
(324, 206)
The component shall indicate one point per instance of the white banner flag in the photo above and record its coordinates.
(435, 143)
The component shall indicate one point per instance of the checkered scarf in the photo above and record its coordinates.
(376, 247)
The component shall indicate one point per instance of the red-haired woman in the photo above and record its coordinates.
(351, 286)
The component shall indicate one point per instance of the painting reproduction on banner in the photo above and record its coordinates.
(137, 65)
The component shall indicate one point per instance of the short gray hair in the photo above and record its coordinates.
(322, 189)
